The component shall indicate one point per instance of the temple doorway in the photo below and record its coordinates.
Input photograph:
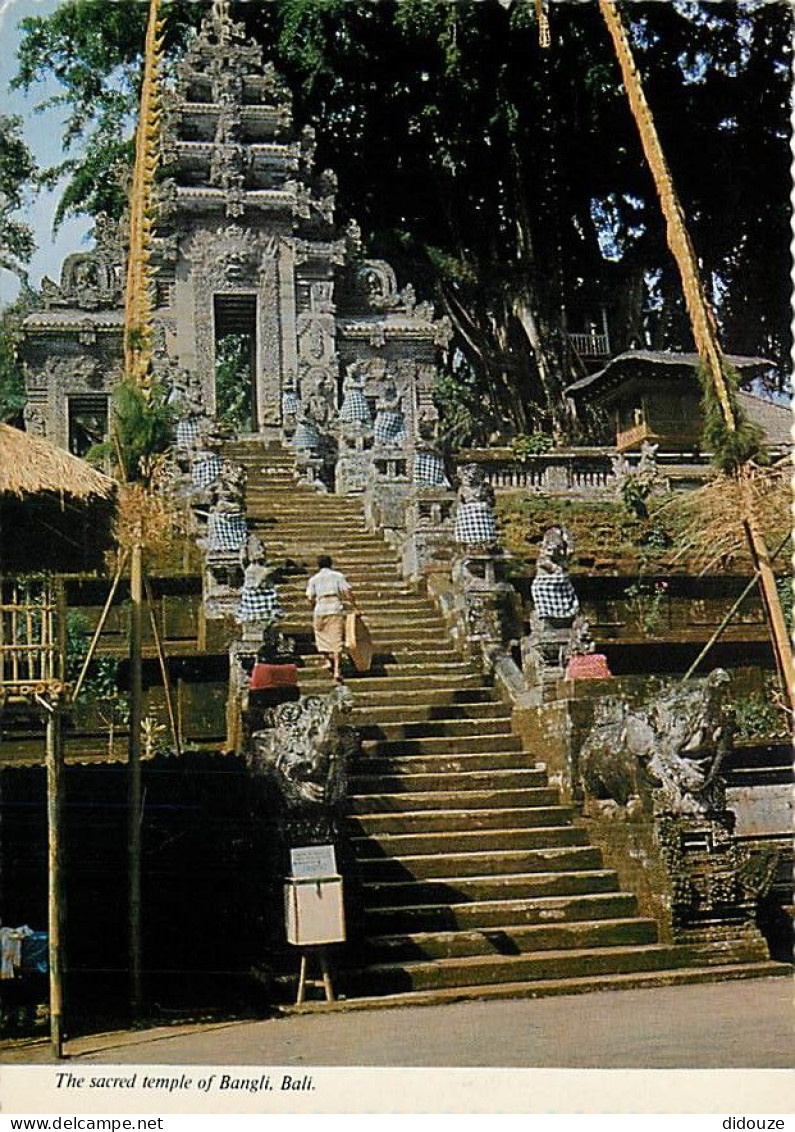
(236, 360)
(88, 422)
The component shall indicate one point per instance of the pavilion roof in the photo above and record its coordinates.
(653, 363)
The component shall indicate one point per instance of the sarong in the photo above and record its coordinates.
(329, 632)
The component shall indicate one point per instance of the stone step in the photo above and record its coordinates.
(491, 725)
(449, 764)
(443, 744)
(491, 913)
(506, 862)
(415, 713)
(345, 557)
(547, 988)
(415, 639)
(386, 893)
(373, 574)
(486, 799)
(454, 821)
(482, 970)
(293, 517)
(305, 514)
(467, 840)
(395, 656)
(317, 674)
(386, 637)
(508, 939)
(406, 782)
(398, 685)
(400, 667)
(383, 589)
(344, 530)
(383, 697)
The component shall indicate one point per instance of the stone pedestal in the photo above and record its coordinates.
(428, 545)
(387, 493)
(486, 605)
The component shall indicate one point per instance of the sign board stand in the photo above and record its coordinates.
(325, 974)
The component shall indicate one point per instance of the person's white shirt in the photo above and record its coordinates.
(327, 588)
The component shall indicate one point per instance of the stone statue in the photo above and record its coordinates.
(188, 398)
(558, 630)
(259, 602)
(355, 411)
(389, 429)
(306, 753)
(660, 764)
(666, 753)
(428, 466)
(475, 524)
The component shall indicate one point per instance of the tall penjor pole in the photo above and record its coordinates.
(137, 366)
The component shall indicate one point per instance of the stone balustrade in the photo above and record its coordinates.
(578, 472)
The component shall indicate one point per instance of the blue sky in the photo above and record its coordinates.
(42, 134)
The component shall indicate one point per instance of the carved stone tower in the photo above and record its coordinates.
(247, 245)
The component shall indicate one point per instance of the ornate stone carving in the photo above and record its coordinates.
(668, 753)
(230, 255)
(90, 280)
(486, 604)
(306, 754)
(661, 761)
(36, 417)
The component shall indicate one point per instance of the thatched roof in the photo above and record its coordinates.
(30, 465)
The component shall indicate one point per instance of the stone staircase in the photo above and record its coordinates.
(467, 877)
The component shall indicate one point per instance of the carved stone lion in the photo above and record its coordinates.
(306, 753)
(667, 752)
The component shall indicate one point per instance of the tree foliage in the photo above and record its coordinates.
(141, 430)
(506, 179)
(18, 175)
(12, 380)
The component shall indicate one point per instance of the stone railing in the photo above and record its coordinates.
(566, 471)
(577, 472)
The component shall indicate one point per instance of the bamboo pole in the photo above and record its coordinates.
(161, 656)
(101, 625)
(54, 763)
(702, 321)
(134, 786)
(727, 619)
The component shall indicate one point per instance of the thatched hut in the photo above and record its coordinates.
(55, 509)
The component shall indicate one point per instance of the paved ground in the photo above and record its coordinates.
(731, 1025)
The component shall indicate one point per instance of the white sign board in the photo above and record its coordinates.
(313, 862)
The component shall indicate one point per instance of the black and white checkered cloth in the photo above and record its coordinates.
(258, 605)
(553, 596)
(290, 403)
(429, 470)
(474, 522)
(205, 471)
(306, 435)
(226, 531)
(355, 407)
(188, 432)
(389, 427)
